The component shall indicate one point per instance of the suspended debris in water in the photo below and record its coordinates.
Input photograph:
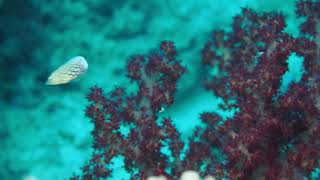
(72, 69)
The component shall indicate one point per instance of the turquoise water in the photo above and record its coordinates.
(44, 133)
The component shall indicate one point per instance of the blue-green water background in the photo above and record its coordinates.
(43, 130)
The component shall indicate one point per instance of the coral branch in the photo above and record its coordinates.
(273, 135)
(156, 75)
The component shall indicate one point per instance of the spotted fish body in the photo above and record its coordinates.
(69, 71)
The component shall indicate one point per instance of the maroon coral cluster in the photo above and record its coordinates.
(272, 136)
(156, 75)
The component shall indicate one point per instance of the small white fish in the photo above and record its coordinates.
(72, 69)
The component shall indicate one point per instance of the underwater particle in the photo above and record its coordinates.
(69, 71)
(156, 178)
(209, 178)
(30, 177)
(190, 175)
(161, 110)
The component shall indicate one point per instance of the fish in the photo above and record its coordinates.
(72, 69)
